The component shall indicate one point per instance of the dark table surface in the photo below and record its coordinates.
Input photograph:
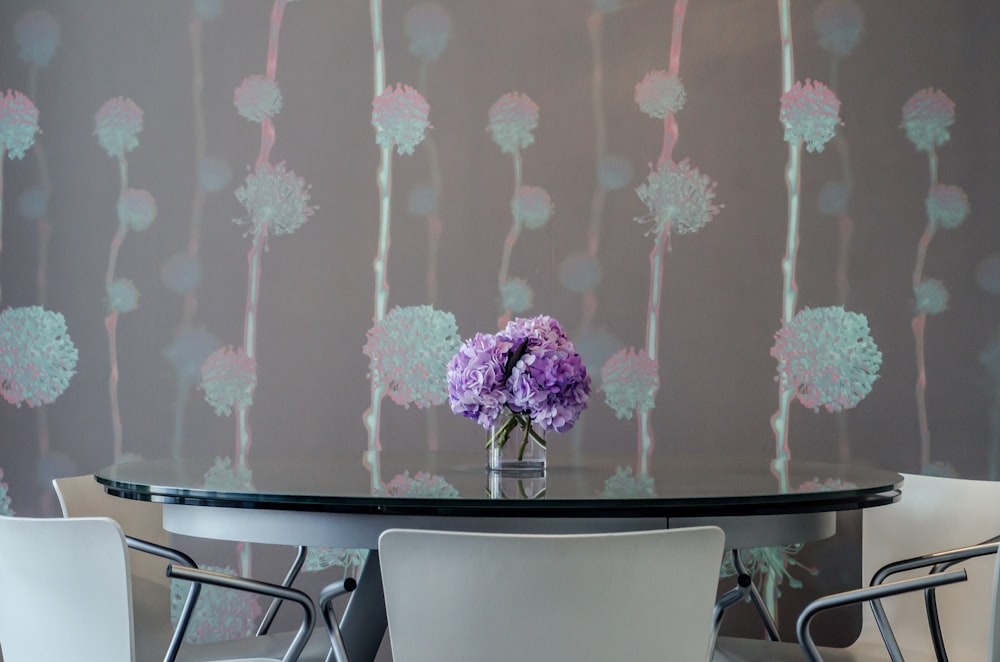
(446, 483)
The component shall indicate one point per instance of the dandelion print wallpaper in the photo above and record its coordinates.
(239, 229)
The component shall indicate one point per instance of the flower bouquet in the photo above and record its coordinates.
(523, 381)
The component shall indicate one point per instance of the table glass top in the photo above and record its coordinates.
(458, 481)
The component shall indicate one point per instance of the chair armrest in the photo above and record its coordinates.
(938, 562)
(933, 618)
(187, 611)
(293, 572)
(262, 588)
(863, 595)
(326, 597)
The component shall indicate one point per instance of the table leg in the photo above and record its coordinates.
(364, 623)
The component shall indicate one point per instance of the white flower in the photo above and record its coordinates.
(660, 93)
(400, 117)
(277, 199)
(513, 119)
(119, 122)
(257, 98)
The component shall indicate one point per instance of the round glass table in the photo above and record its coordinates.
(337, 501)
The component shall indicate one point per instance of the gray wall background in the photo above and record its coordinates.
(722, 286)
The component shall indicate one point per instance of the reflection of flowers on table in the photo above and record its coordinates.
(421, 484)
(623, 485)
(828, 485)
(223, 476)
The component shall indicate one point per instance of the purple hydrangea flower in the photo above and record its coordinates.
(630, 381)
(927, 115)
(136, 209)
(947, 206)
(409, 351)
(659, 94)
(428, 28)
(810, 114)
(18, 124)
(119, 122)
(37, 356)
(549, 380)
(476, 382)
(257, 98)
(931, 296)
(680, 198)
(36, 34)
(513, 120)
(827, 357)
(276, 198)
(228, 378)
(530, 368)
(400, 118)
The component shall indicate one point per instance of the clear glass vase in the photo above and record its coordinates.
(516, 446)
(505, 485)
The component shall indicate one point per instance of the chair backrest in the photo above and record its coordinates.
(65, 590)
(82, 496)
(936, 514)
(491, 597)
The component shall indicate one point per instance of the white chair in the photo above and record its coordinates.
(456, 597)
(83, 496)
(934, 514)
(67, 593)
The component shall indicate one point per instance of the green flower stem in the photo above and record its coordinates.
(502, 435)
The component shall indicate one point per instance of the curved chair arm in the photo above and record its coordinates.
(262, 588)
(187, 610)
(933, 617)
(938, 561)
(326, 597)
(293, 572)
(863, 595)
